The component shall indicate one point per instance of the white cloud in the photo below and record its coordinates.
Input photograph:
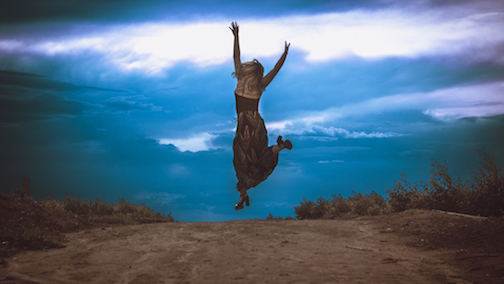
(160, 197)
(196, 143)
(332, 161)
(303, 126)
(468, 101)
(153, 47)
(444, 104)
(457, 102)
(10, 45)
(333, 131)
(133, 102)
(450, 103)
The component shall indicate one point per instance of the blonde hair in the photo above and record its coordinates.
(250, 73)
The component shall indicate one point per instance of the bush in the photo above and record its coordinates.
(304, 210)
(273, 218)
(445, 193)
(29, 224)
(488, 187)
(341, 208)
(406, 195)
(270, 217)
(483, 195)
(122, 212)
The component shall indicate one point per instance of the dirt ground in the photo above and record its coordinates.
(415, 246)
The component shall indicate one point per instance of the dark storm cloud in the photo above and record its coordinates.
(72, 10)
(34, 81)
(14, 109)
(14, 11)
(26, 97)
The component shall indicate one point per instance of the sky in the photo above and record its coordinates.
(135, 99)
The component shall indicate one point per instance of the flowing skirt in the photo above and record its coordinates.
(253, 160)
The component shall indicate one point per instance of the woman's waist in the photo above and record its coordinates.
(246, 104)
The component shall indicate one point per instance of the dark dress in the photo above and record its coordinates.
(253, 160)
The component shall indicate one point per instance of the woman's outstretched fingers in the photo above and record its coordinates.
(234, 28)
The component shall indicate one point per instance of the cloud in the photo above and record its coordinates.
(164, 198)
(395, 111)
(34, 81)
(303, 126)
(156, 46)
(198, 142)
(127, 103)
(333, 131)
(23, 80)
(21, 106)
(26, 97)
(454, 103)
(331, 161)
(479, 100)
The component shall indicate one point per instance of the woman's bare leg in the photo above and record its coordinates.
(276, 149)
(243, 191)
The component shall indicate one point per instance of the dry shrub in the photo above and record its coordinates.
(25, 224)
(483, 195)
(121, 212)
(406, 195)
(270, 217)
(37, 224)
(357, 204)
(306, 210)
(487, 185)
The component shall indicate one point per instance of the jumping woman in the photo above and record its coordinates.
(253, 160)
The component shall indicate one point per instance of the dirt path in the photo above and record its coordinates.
(364, 250)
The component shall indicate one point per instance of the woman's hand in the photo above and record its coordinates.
(287, 47)
(236, 50)
(234, 28)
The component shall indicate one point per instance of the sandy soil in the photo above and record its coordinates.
(415, 246)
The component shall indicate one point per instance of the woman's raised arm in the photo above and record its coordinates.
(236, 52)
(269, 77)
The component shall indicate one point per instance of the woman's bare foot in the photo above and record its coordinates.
(284, 144)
